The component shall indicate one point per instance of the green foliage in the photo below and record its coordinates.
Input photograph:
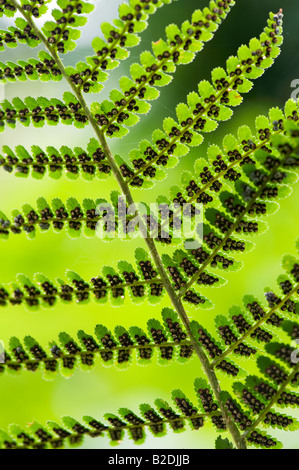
(153, 71)
(139, 283)
(204, 110)
(118, 38)
(35, 9)
(238, 184)
(163, 344)
(157, 420)
(21, 34)
(44, 69)
(42, 110)
(62, 31)
(223, 443)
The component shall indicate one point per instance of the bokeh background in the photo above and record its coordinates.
(28, 396)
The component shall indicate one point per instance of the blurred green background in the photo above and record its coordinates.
(28, 396)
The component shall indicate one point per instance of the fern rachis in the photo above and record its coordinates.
(235, 184)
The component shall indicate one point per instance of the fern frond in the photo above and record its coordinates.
(217, 234)
(239, 214)
(248, 154)
(167, 343)
(185, 268)
(140, 88)
(261, 163)
(58, 215)
(180, 48)
(255, 156)
(90, 162)
(60, 33)
(71, 432)
(250, 173)
(74, 216)
(201, 114)
(20, 33)
(260, 397)
(268, 391)
(157, 420)
(33, 69)
(251, 331)
(242, 334)
(38, 111)
(243, 338)
(140, 282)
(119, 37)
(106, 220)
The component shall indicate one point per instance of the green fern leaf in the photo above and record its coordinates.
(203, 112)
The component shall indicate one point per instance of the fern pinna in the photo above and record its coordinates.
(237, 185)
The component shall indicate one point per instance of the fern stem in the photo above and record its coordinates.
(272, 402)
(254, 327)
(175, 299)
(177, 303)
